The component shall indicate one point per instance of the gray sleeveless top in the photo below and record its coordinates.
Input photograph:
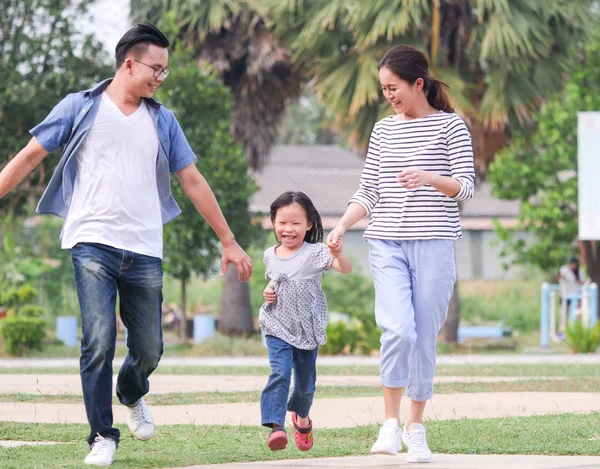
(299, 316)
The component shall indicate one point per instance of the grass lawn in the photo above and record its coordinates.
(181, 445)
(541, 385)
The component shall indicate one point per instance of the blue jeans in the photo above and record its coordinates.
(283, 357)
(100, 272)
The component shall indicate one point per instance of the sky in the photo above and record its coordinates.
(108, 21)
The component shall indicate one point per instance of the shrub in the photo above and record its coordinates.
(342, 338)
(23, 329)
(31, 311)
(23, 333)
(581, 339)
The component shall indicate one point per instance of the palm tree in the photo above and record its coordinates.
(233, 37)
(500, 57)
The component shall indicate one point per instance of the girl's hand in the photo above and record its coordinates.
(414, 178)
(335, 241)
(270, 295)
(336, 250)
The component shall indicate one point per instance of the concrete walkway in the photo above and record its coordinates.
(440, 461)
(50, 384)
(328, 413)
(488, 359)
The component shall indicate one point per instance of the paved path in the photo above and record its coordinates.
(441, 461)
(17, 443)
(488, 359)
(328, 413)
(162, 384)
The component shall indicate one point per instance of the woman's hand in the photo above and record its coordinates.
(270, 295)
(414, 178)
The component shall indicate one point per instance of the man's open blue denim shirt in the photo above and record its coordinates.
(69, 123)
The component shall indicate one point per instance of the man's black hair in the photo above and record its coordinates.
(136, 41)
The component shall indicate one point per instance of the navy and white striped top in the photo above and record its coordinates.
(440, 143)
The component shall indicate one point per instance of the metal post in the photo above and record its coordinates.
(544, 319)
(593, 303)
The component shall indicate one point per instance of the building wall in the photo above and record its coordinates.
(477, 255)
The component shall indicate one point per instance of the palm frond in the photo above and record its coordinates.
(458, 92)
(385, 19)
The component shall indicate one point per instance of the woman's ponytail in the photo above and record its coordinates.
(437, 96)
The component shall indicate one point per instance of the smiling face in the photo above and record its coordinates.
(291, 225)
(142, 81)
(402, 95)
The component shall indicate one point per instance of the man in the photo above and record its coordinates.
(112, 188)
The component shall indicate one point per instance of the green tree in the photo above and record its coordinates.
(499, 57)
(23, 329)
(540, 170)
(42, 59)
(305, 123)
(232, 36)
(203, 107)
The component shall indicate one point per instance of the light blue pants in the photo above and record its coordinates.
(413, 285)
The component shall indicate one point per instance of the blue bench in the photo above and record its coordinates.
(483, 332)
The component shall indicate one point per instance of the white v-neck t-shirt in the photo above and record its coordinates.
(115, 196)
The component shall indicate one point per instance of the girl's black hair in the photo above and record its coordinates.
(315, 234)
(575, 261)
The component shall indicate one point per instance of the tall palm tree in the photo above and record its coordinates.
(500, 57)
(233, 37)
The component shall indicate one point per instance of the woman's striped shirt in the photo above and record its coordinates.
(440, 143)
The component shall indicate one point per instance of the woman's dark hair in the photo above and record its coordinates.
(315, 234)
(409, 63)
(575, 261)
(137, 40)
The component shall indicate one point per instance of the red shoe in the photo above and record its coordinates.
(303, 436)
(277, 439)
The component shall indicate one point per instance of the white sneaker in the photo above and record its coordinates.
(415, 441)
(140, 421)
(102, 453)
(389, 440)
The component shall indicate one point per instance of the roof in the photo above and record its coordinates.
(329, 175)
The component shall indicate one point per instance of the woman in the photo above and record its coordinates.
(419, 164)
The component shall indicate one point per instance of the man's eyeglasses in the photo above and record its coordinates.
(157, 70)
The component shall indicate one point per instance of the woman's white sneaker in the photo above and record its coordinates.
(102, 453)
(416, 442)
(140, 421)
(389, 440)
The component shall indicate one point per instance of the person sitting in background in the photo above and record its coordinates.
(570, 282)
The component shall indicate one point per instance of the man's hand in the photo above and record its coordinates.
(270, 295)
(234, 254)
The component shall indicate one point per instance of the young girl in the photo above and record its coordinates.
(294, 315)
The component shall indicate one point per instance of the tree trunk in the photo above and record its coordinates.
(236, 318)
(591, 254)
(182, 315)
(435, 34)
(450, 328)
